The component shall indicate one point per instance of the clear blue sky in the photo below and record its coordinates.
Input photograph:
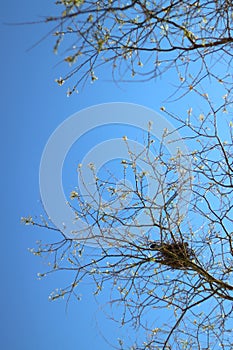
(33, 106)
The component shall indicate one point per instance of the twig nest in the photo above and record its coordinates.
(177, 255)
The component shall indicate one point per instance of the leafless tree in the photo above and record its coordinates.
(144, 39)
(169, 265)
(169, 269)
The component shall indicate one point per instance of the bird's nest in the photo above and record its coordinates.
(177, 255)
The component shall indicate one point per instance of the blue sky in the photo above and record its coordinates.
(33, 106)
